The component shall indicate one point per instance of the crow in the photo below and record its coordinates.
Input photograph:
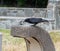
(35, 20)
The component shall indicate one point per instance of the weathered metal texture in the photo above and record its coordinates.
(34, 33)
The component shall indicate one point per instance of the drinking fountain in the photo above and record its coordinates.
(36, 38)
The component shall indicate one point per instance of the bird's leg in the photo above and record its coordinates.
(34, 25)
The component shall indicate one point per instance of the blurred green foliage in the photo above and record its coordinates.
(24, 3)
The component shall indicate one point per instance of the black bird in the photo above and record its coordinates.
(35, 20)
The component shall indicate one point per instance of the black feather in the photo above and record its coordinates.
(35, 20)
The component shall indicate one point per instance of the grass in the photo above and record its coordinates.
(5, 31)
(10, 43)
(55, 36)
